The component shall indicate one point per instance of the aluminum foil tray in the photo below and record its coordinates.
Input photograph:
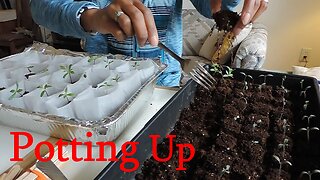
(106, 129)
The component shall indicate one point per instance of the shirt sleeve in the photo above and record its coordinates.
(61, 16)
(204, 6)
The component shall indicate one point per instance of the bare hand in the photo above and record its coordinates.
(136, 19)
(251, 10)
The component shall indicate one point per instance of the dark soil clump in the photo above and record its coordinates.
(225, 19)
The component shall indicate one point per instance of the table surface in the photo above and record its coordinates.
(88, 170)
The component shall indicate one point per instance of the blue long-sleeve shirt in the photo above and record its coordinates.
(62, 16)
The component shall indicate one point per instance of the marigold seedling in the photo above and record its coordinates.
(68, 71)
(308, 118)
(245, 87)
(281, 163)
(16, 91)
(264, 80)
(308, 130)
(309, 173)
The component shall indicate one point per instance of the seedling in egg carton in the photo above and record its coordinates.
(15, 92)
(68, 71)
(44, 89)
(67, 95)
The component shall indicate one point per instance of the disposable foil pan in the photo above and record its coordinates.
(107, 129)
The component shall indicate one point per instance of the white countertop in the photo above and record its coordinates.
(89, 170)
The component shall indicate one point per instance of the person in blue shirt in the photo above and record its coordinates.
(133, 27)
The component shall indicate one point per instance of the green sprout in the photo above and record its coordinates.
(16, 91)
(216, 68)
(44, 89)
(93, 59)
(117, 78)
(105, 84)
(66, 95)
(108, 63)
(68, 71)
(229, 73)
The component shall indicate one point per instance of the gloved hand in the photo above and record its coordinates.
(252, 51)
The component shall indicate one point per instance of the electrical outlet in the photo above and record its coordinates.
(305, 54)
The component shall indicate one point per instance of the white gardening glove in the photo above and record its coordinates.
(252, 51)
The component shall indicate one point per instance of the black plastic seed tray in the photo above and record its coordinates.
(306, 156)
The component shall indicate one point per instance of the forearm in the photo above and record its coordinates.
(60, 16)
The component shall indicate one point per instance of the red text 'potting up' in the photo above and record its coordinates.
(185, 152)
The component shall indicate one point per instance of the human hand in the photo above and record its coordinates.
(136, 19)
(251, 10)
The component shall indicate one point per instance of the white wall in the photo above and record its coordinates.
(292, 25)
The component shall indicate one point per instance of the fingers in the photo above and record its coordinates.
(252, 9)
(125, 24)
(117, 32)
(102, 23)
(136, 19)
(263, 7)
(149, 22)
